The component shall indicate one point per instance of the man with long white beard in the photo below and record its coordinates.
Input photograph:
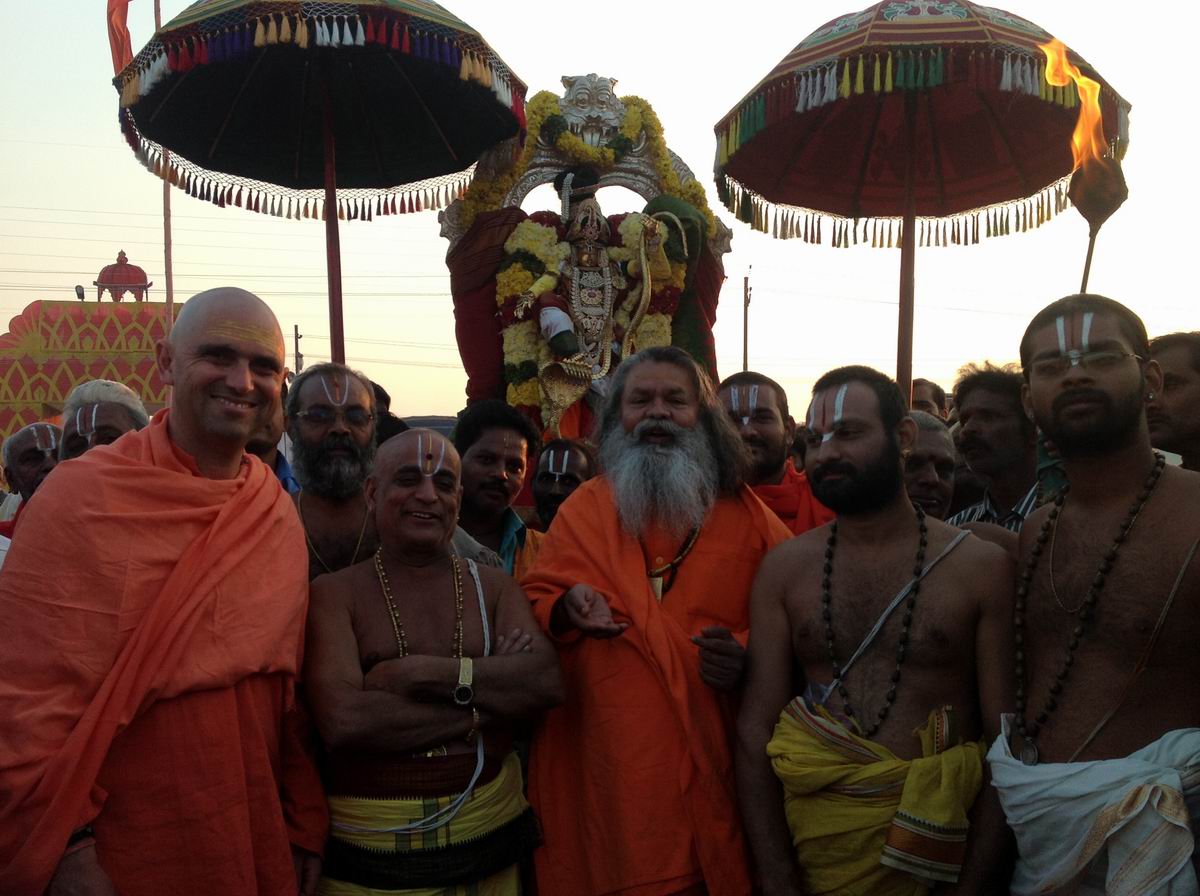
(643, 582)
(858, 775)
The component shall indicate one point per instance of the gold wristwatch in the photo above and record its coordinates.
(463, 692)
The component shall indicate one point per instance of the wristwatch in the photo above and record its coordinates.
(464, 693)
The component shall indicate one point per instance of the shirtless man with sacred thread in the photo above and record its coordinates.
(418, 664)
(1099, 770)
(899, 627)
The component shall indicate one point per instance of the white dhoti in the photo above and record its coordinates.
(1117, 826)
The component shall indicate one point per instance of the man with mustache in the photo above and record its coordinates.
(1099, 769)
(757, 407)
(999, 443)
(1174, 412)
(330, 416)
(643, 582)
(417, 667)
(29, 455)
(929, 467)
(495, 442)
(864, 773)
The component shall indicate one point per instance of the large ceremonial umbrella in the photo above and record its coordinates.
(334, 110)
(911, 122)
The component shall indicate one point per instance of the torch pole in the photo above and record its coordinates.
(1087, 265)
(746, 321)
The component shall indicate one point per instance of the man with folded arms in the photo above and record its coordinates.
(418, 664)
(151, 646)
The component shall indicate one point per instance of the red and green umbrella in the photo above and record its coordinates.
(912, 122)
(318, 110)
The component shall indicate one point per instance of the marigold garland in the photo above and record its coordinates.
(538, 242)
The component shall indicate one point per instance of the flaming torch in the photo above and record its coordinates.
(1097, 186)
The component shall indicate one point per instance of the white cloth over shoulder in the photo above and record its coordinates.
(1117, 826)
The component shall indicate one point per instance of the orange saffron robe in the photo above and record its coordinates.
(152, 625)
(632, 777)
(793, 501)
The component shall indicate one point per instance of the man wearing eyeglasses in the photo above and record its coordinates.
(331, 421)
(1099, 768)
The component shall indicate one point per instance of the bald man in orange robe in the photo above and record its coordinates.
(152, 615)
(644, 583)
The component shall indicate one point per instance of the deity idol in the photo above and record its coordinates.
(575, 291)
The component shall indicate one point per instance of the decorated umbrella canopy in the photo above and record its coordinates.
(911, 122)
(318, 110)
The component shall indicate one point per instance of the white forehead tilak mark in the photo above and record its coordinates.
(343, 386)
(89, 434)
(1060, 324)
(425, 462)
(751, 404)
(733, 399)
(557, 472)
(1087, 330)
(839, 406)
(50, 437)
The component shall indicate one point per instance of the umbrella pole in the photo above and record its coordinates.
(333, 248)
(908, 253)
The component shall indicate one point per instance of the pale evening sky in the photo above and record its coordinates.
(72, 195)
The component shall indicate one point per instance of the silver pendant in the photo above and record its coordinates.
(1029, 752)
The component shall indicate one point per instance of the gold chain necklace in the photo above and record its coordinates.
(312, 547)
(398, 626)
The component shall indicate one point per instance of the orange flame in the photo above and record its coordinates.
(1087, 143)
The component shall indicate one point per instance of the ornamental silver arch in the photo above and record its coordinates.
(635, 171)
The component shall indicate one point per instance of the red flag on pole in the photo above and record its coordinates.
(118, 34)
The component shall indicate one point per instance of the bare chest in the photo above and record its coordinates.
(428, 622)
(935, 627)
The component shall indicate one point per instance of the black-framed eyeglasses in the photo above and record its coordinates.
(1099, 360)
(355, 418)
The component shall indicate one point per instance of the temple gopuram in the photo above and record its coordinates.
(52, 346)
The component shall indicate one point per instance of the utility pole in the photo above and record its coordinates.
(746, 319)
(299, 357)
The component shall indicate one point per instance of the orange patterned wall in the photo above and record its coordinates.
(52, 346)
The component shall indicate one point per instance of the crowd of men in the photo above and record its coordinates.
(723, 652)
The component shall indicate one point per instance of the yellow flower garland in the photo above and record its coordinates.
(485, 195)
(521, 339)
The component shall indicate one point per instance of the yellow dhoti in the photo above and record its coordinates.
(862, 820)
(475, 854)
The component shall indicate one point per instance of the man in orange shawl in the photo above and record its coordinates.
(758, 407)
(643, 581)
(152, 615)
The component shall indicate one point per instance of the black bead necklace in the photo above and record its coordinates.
(1029, 730)
(902, 644)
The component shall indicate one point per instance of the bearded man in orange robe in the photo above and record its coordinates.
(758, 408)
(643, 582)
(152, 615)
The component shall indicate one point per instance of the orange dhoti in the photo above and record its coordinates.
(632, 777)
(152, 625)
